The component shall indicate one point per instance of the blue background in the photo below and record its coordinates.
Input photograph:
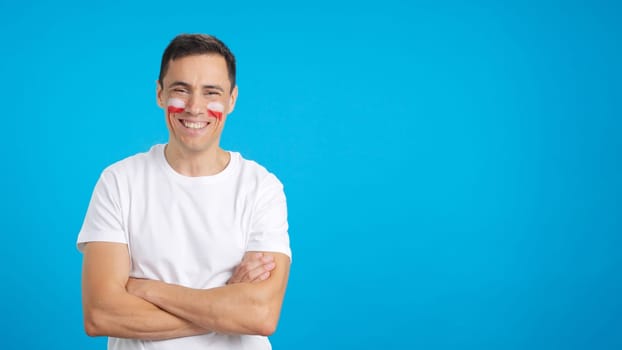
(452, 170)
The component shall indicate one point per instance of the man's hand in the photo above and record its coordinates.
(255, 267)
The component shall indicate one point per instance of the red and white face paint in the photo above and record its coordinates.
(215, 109)
(176, 105)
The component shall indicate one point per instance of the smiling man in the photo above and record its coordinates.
(186, 246)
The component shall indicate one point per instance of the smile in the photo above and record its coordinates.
(194, 125)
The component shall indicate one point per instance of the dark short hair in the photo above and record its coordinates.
(185, 45)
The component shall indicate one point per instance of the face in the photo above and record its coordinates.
(198, 81)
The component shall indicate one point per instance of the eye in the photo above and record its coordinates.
(213, 93)
(180, 90)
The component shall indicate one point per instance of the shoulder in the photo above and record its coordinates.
(253, 172)
(128, 170)
(134, 163)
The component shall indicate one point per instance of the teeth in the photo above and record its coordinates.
(194, 125)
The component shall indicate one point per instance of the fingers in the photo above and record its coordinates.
(254, 267)
(261, 273)
(264, 276)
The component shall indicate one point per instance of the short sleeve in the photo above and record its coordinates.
(104, 220)
(268, 231)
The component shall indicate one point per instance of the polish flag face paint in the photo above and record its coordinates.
(215, 109)
(176, 105)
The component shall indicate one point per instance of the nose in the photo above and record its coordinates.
(195, 105)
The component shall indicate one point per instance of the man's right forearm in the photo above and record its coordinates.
(109, 310)
(126, 316)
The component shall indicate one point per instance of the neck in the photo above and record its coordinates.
(196, 163)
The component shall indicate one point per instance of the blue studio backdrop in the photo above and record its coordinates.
(452, 168)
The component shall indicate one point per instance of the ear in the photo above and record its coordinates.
(232, 99)
(159, 100)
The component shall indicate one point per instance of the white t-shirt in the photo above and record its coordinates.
(190, 231)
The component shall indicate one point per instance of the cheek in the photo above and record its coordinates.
(215, 114)
(215, 109)
(168, 117)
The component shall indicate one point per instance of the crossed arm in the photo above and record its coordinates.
(116, 305)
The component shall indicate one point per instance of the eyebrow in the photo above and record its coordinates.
(186, 85)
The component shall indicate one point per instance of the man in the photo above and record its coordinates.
(186, 246)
